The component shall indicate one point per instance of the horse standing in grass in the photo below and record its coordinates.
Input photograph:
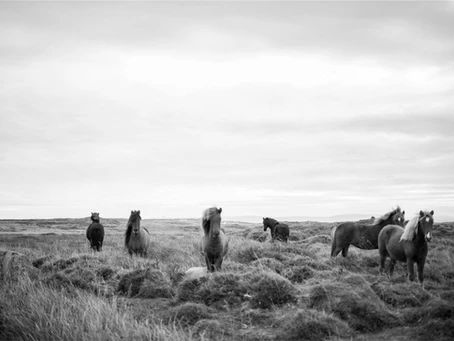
(361, 235)
(278, 230)
(95, 232)
(137, 239)
(214, 244)
(407, 245)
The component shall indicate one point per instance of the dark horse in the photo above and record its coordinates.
(361, 235)
(278, 230)
(407, 245)
(214, 244)
(95, 232)
(137, 238)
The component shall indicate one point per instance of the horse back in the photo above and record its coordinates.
(389, 242)
(95, 230)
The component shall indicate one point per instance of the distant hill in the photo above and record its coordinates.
(329, 219)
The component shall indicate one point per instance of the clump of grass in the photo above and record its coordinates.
(433, 309)
(313, 325)
(210, 330)
(440, 330)
(263, 289)
(298, 274)
(188, 290)
(354, 301)
(145, 283)
(401, 295)
(268, 263)
(247, 252)
(270, 289)
(188, 314)
(32, 311)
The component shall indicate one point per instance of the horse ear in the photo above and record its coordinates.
(403, 212)
(432, 212)
(421, 213)
(132, 211)
(138, 212)
(220, 209)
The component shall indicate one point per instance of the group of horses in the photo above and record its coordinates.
(393, 236)
(400, 240)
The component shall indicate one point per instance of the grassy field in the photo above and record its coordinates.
(58, 289)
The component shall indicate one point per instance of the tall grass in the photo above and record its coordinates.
(60, 290)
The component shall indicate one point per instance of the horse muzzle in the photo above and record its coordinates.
(428, 237)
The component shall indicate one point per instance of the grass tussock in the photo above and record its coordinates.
(353, 301)
(261, 289)
(145, 283)
(188, 313)
(313, 325)
(401, 295)
(265, 291)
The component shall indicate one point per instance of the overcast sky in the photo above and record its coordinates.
(263, 108)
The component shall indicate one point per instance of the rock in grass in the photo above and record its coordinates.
(196, 272)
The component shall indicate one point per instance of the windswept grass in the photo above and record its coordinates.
(57, 289)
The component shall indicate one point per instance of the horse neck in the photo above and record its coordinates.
(419, 235)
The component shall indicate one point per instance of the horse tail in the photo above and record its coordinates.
(333, 232)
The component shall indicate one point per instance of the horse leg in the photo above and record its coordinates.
(382, 264)
(411, 270)
(345, 251)
(421, 272)
(391, 267)
(210, 265)
(335, 249)
(218, 264)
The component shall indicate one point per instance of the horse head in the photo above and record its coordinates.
(95, 217)
(398, 218)
(265, 224)
(215, 223)
(134, 221)
(425, 224)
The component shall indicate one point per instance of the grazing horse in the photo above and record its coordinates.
(214, 244)
(137, 238)
(407, 245)
(95, 232)
(278, 230)
(361, 235)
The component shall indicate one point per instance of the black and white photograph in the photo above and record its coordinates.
(227, 170)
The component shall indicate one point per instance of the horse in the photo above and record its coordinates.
(137, 238)
(278, 230)
(214, 244)
(407, 245)
(361, 235)
(95, 232)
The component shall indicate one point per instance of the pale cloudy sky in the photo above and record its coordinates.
(262, 108)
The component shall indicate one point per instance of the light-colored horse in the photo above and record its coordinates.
(137, 239)
(214, 244)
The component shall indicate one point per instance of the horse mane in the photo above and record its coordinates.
(272, 220)
(411, 228)
(206, 216)
(133, 217)
(386, 216)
